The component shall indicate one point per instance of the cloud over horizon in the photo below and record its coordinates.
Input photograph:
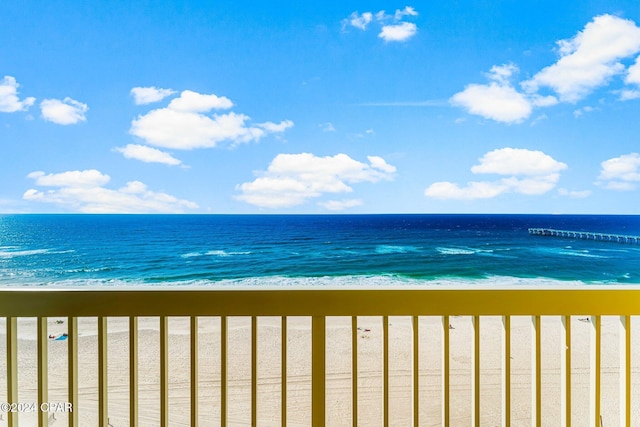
(293, 179)
(528, 172)
(620, 173)
(84, 191)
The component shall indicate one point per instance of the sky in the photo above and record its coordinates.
(320, 107)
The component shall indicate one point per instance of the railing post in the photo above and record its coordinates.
(594, 372)
(625, 370)
(506, 371)
(12, 368)
(385, 371)
(254, 370)
(565, 372)
(354, 371)
(445, 371)
(416, 371)
(475, 373)
(283, 370)
(536, 379)
(194, 370)
(103, 389)
(72, 350)
(164, 371)
(133, 371)
(318, 331)
(223, 371)
(43, 373)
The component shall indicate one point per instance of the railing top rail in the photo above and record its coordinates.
(582, 300)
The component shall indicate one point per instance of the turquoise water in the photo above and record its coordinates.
(257, 250)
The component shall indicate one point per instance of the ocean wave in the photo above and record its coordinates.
(87, 270)
(191, 255)
(611, 250)
(216, 252)
(395, 249)
(225, 253)
(13, 254)
(456, 251)
(349, 281)
(30, 252)
(568, 251)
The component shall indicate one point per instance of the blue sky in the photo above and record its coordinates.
(335, 107)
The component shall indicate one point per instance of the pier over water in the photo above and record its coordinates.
(585, 235)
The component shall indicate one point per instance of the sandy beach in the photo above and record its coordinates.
(338, 382)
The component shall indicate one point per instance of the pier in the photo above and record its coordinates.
(585, 235)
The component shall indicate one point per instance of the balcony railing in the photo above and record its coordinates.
(320, 305)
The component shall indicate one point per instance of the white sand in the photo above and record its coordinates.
(338, 383)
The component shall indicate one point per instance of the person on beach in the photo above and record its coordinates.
(58, 337)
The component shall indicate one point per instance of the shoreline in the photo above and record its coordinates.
(391, 282)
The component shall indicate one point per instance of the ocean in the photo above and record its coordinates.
(312, 250)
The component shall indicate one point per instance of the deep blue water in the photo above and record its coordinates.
(106, 250)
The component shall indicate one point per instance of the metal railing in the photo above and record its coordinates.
(320, 304)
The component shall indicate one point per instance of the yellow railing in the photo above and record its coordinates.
(320, 304)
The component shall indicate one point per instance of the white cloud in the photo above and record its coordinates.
(183, 126)
(489, 189)
(379, 163)
(633, 73)
(589, 59)
(359, 21)
(580, 111)
(9, 101)
(393, 28)
(85, 178)
(617, 185)
(502, 73)
(518, 161)
(629, 94)
(292, 179)
(632, 78)
(620, 173)
(65, 112)
(407, 11)
(398, 32)
(527, 172)
(195, 102)
(84, 191)
(339, 205)
(533, 185)
(276, 127)
(148, 95)
(539, 119)
(147, 154)
(496, 101)
(574, 194)
(543, 101)
(328, 127)
(473, 190)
